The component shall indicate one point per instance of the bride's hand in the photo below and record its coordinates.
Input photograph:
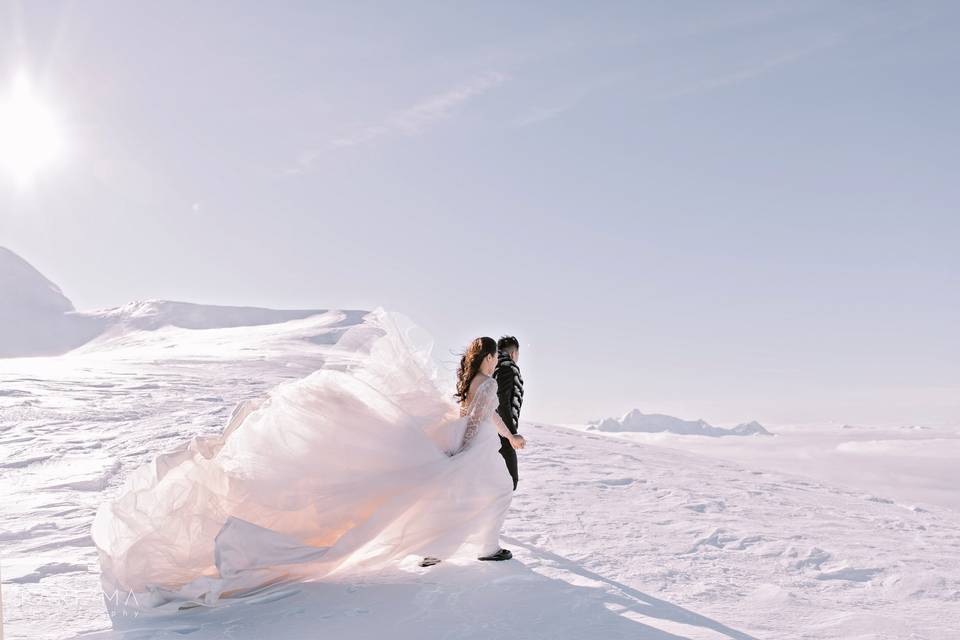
(518, 441)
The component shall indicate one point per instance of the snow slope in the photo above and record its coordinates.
(24, 288)
(37, 319)
(614, 537)
(35, 316)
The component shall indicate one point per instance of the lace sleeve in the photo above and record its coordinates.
(484, 402)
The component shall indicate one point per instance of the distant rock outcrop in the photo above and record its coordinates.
(636, 421)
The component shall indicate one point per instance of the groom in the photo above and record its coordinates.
(510, 392)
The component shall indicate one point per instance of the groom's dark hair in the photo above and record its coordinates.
(507, 343)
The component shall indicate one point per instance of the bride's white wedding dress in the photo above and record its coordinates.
(354, 467)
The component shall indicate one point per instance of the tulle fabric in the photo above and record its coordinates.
(347, 469)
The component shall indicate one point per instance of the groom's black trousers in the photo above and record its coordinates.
(510, 457)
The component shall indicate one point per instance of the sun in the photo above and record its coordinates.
(30, 139)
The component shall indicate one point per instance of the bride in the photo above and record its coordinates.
(355, 467)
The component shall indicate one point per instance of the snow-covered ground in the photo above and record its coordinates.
(614, 536)
(908, 464)
(814, 532)
(71, 426)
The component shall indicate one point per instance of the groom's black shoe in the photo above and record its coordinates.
(429, 562)
(502, 554)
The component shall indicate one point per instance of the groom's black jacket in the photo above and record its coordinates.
(509, 391)
(510, 394)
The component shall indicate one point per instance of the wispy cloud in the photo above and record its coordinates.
(569, 98)
(419, 117)
(758, 68)
(540, 114)
(411, 121)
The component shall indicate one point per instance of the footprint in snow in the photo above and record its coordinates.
(616, 482)
(849, 573)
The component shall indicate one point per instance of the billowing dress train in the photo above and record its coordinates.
(352, 468)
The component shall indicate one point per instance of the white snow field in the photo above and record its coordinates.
(615, 534)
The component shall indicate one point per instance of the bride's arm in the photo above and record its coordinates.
(501, 427)
(480, 409)
(474, 416)
(516, 440)
(473, 424)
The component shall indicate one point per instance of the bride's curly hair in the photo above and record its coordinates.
(470, 364)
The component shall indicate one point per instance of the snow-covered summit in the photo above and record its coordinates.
(26, 290)
(36, 318)
(657, 423)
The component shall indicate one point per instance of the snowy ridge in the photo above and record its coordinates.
(657, 423)
(153, 314)
(37, 319)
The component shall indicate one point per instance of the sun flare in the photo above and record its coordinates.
(30, 137)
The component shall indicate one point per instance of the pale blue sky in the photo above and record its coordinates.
(723, 210)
